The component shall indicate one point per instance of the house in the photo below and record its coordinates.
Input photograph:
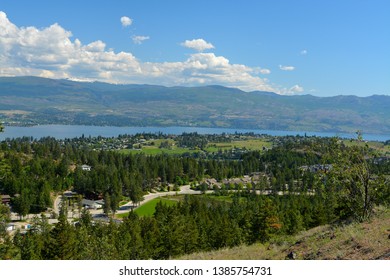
(5, 199)
(10, 227)
(211, 183)
(69, 194)
(86, 167)
(317, 168)
(92, 204)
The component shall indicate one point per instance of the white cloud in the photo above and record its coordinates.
(294, 89)
(207, 68)
(51, 52)
(303, 52)
(197, 44)
(263, 71)
(139, 39)
(97, 46)
(286, 68)
(126, 21)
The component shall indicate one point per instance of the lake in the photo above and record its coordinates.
(72, 131)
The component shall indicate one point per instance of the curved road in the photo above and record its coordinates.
(128, 206)
(183, 190)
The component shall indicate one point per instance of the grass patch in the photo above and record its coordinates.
(149, 207)
(152, 147)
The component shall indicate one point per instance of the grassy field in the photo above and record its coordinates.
(149, 207)
(249, 143)
(153, 147)
(356, 241)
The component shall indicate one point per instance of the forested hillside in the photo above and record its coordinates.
(300, 183)
(33, 101)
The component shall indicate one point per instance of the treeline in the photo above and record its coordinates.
(356, 182)
(32, 170)
(194, 224)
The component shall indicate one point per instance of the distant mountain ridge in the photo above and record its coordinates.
(33, 100)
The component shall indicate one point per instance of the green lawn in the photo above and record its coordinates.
(153, 147)
(149, 207)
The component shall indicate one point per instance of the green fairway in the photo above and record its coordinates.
(149, 207)
(154, 147)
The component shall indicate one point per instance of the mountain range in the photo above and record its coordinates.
(33, 100)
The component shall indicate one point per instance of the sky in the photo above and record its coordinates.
(323, 48)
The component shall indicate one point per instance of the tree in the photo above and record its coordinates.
(33, 243)
(4, 219)
(107, 203)
(135, 195)
(22, 203)
(129, 241)
(8, 250)
(353, 180)
(62, 244)
(265, 221)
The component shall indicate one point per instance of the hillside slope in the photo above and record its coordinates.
(32, 100)
(357, 241)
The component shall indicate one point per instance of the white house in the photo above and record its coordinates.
(10, 227)
(92, 204)
(86, 167)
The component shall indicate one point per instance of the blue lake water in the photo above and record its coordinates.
(72, 131)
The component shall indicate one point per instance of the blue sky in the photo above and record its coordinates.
(323, 48)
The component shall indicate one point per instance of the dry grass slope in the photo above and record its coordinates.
(355, 241)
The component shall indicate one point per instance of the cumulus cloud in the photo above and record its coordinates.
(197, 44)
(51, 52)
(263, 71)
(292, 90)
(139, 39)
(296, 88)
(286, 68)
(207, 68)
(126, 21)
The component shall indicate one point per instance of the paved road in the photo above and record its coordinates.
(183, 190)
(128, 206)
(148, 197)
(99, 213)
